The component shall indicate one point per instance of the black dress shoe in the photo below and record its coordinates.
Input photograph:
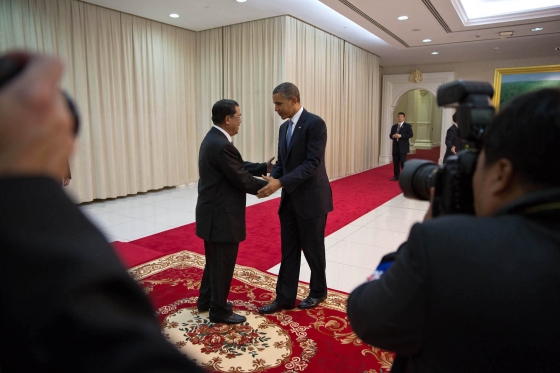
(206, 307)
(395, 178)
(233, 319)
(274, 307)
(310, 302)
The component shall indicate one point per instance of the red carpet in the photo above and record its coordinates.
(308, 341)
(353, 197)
(132, 255)
(431, 155)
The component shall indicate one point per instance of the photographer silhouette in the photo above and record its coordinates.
(67, 304)
(479, 293)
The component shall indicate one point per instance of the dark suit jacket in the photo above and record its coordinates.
(66, 303)
(301, 168)
(403, 145)
(224, 180)
(452, 139)
(470, 294)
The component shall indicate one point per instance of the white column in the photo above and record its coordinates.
(424, 120)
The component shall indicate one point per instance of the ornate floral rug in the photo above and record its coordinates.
(316, 340)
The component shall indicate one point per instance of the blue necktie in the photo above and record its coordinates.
(289, 133)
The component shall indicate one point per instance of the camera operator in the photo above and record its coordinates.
(480, 293)
(66, 304)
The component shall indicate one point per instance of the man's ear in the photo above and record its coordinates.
(503, 176)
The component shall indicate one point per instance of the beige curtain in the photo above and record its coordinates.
(253, 66)
(210, 77)
(315, 63)
(145, 90)
(134, 83)
(337, 81)
(361, 116)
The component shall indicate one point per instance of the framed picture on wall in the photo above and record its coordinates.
(512, 82)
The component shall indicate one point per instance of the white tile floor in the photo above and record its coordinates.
(352, 253)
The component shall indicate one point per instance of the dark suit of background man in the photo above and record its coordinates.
(220, 209)
(400, 134)
(452, 140)
(306, 199)
(480, 293)
(67, 304)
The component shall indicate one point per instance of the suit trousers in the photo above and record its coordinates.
(217, 276)
(300, 234)
(398, 163)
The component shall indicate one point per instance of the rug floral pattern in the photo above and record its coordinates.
(315, 340)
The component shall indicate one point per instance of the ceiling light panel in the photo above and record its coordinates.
(481, 12)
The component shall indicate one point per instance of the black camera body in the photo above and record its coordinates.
(453, 180)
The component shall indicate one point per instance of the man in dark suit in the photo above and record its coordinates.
(400, 134)
(306, 199)
(480, 293)
(66, 303)
(452, 140)
(220, 210)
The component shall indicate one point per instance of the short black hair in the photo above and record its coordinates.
(454, 117)
(527, 132)
(287, 90)
(400, 112)
(222, 109)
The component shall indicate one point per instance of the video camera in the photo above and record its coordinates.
(453, 180)
(11, 67)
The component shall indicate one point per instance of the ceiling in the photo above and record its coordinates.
(373, 25)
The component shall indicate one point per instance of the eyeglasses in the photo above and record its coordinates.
(236, 116)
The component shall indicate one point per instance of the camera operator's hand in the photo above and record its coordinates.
(429, 213)
(36, 134)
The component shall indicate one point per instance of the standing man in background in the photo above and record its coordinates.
(400, 134)
(220, 208)
(306, 199)
(452, 139)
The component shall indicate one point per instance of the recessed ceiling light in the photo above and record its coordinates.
(241, 1)
(401, 18)
(426, 40)
(496, 48)
(435, 52)
(174, 15)
(557, 48)
(537, 29)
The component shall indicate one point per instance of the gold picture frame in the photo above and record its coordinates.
(513, 81)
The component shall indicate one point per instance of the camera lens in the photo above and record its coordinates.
(417, 177)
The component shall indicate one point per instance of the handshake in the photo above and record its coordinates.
(273, 184)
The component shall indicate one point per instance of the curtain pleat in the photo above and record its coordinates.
(253, 53)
